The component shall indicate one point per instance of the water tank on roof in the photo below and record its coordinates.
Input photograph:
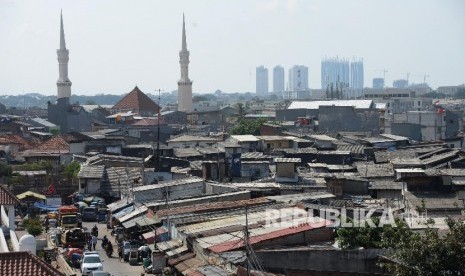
(28, 243)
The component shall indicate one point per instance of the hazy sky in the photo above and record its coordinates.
(116, 44)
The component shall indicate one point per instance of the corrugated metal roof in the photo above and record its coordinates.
(91, 172)
(188, 264)
(177, 251)
(212, 270)
(183, 257)
(287, 160)
(163, 184)
(191, 138)
(245, 138)
(322, 137)
(268, 235)
(386, 185)
(136, 212)
(168, 245)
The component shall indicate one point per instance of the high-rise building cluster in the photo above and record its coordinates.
(262, 80)
(342, 72)
(298, 79)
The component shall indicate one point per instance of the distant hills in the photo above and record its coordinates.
(39, 100)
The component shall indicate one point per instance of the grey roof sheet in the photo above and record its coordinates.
(386, 185)
(287, 160)
(440, 157)
(356, 149)
(368, 169)
(186, 152)
(95, 172)
(434, 201)
(385, 156)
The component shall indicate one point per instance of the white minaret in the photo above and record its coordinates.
(184, 84)
(63, 82)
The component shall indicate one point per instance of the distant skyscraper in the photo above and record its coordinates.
(278, 79)
(356, 74)
(334, 70)
(261, 80)
(378, 83)
(400, 83)
(184, 84)
(298, 78)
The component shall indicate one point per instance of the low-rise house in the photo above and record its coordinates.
(269, 143)
(248, 143)
(286, 169)
(433, 204)
(104, 141)
(43, 125)
(255, 169)
(90, 178)
(322, 141)
(190, 141)
(387, 189)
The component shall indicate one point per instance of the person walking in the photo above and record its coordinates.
(94, 241)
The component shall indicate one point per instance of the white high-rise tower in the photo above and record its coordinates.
(184, 84)
(63, 82)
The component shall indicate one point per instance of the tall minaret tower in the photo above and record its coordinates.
(63, 82)
(184, 84)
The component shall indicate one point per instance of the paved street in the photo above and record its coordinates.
(112, 265)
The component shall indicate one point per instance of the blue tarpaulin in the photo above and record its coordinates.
(44, 207)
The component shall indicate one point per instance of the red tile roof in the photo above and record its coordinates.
(7, 198)
(54, 144)
(25, 263)
(138, 102)
(16, 139)
(234, 244)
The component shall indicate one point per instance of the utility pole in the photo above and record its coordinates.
(246, 241)
(158, 134)
(168, 214)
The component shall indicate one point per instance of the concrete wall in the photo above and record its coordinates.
(293, 114)
(341, 261)
(412, 131)
(347, 118)
(175, 192)
(273, 144)
(285, 169)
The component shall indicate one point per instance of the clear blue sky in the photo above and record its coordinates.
(116, 44)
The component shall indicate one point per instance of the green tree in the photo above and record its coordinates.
(33, 226)
(71, 170)
(372, 237)
(38, 166)
(5, 170)
(247, 126)
(240, 110)
(430, 253)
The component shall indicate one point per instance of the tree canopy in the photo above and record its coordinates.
(248, 126)
(412, 253)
